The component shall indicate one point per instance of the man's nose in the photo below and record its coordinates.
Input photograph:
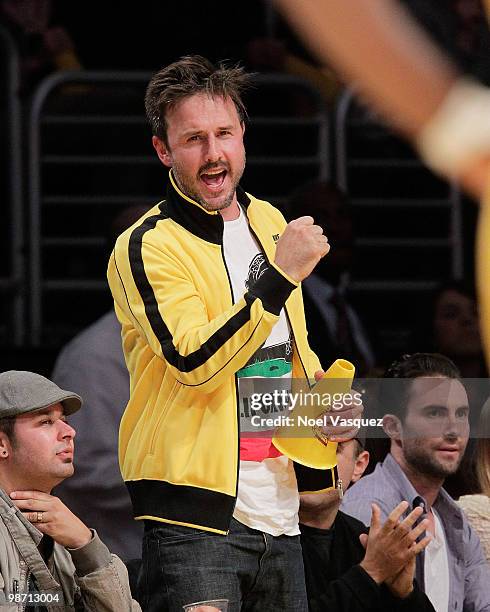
(454, 428)
(451, 434)
(66, 431)
(213, 151)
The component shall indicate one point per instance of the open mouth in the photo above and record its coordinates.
(214, 179)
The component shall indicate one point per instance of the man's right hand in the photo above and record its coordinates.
(390, 547)
(50, 515)
(300, 248)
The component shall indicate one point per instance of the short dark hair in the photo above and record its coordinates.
(359, 448)
(7, 426)
(190, 75)
(406, 369)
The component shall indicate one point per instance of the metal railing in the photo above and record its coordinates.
(12, 284)
(451, 203)
(39, 196)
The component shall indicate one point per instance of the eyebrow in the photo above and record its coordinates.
(194, 131)
(444, 407)
(48, 412)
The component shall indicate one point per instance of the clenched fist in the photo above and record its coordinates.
(300, 248)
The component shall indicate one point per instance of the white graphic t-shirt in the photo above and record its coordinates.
(268, 497)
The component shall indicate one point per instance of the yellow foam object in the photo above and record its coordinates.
(483, 271)
(299, 442)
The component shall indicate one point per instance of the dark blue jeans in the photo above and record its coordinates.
(253, 570)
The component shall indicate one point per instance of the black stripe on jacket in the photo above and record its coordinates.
(156, 499)
(272, 289)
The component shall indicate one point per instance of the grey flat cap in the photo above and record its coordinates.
(22, 392)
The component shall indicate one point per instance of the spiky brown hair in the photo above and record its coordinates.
(190, 75)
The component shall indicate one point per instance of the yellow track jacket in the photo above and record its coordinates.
(184, 340)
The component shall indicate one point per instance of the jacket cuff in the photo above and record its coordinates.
(91, 557)
(361, 584)
(273, 289)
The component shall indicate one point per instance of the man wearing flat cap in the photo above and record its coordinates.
(49, 559)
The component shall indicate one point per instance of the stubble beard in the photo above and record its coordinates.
(425, 464)
(185, 187)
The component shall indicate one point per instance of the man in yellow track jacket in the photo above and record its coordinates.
(206, 287)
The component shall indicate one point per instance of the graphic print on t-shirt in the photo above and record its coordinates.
(267, 495)
(256, 268)
(272, 360)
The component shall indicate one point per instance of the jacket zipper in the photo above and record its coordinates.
(15, 588)
(236, 391)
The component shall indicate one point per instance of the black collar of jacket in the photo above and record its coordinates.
(185, 211)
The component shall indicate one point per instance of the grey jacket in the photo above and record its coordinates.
(82, 579)
(469, 573)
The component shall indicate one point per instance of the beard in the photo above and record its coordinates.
(188, 185)
(422, 461)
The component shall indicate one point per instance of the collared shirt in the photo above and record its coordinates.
(469, 574)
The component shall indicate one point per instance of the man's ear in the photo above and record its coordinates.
(163, 151)
(360, 465)
(4, 446)
(392, 426)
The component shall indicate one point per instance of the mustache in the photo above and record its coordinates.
(214, 166)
